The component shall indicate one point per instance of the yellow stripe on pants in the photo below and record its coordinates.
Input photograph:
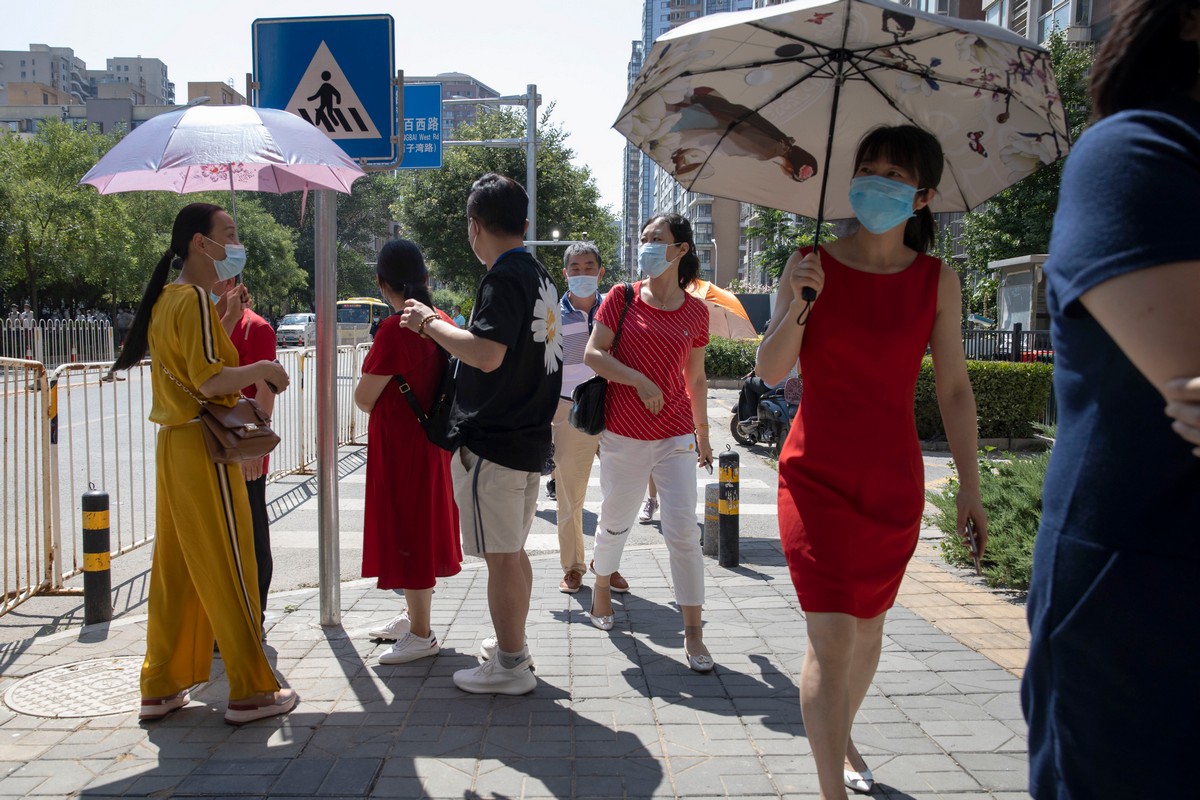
(203, 581)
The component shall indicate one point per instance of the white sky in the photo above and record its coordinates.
(576, 51)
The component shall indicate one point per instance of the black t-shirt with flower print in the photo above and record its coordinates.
(505, 415)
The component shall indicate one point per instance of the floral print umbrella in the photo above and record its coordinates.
(202, 148)
(754, 105)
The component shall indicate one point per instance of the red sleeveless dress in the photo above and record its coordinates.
(851, 478)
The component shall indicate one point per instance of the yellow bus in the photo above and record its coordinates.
(357, 317)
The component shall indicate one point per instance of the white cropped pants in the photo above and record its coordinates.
(625, 466)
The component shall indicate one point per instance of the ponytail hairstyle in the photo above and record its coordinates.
(1143, 60)
(681, 230)
(191, 219)
(401, 266)
(920, 154)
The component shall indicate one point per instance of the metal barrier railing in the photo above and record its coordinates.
(53, 342)
(75, 426)
(25, 481)
(101, 437)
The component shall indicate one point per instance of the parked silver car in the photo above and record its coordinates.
(297, 330)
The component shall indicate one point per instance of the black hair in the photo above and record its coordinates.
(919, 153)
(191, 219)
(402, 267)
(1143, 60)
(582, 249)
(681, 230)
(499, 204)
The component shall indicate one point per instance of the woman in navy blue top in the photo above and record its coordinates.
(1110, 691)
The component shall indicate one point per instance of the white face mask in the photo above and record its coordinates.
(583, 285)
(652, 259)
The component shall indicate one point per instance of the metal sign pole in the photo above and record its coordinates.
(531, 161)
(329, 566)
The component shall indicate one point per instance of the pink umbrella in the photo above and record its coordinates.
(202, 148)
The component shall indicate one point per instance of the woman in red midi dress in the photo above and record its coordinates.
(410, 522)
(851, 478)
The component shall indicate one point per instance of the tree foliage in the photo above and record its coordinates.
(780, 235)
(1017, 221)
(62, 243)
(432, 207)
(364, 218)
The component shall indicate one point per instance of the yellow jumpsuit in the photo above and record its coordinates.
(203, 581)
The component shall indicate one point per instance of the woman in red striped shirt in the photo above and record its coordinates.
(656, 419)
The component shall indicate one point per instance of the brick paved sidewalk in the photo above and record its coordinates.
(614, 715)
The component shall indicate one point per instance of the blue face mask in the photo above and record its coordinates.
(652, 259)
(216, 298)
(583, 285)
(233, 263)
(881, 203)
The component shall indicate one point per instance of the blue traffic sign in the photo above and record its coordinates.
(422, 126)
(336, 72)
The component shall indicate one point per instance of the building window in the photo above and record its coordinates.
(1055, 16)
(997, 13)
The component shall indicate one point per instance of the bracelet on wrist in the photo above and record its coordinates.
(424, 323)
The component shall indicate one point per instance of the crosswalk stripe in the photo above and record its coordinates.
(594, 481)
(350, 504)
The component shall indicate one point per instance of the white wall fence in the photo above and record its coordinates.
(66, 428)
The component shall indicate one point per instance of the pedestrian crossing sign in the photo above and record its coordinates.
(338, 74)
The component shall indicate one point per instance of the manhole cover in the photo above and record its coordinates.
(84, 689)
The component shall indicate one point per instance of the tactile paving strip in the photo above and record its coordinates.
(85, 689)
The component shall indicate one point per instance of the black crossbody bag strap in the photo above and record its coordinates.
(406, 390)
(621, 319)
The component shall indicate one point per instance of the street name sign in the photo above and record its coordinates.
(338, 73)
(422, 126)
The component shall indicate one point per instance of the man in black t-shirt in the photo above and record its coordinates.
(509, 362)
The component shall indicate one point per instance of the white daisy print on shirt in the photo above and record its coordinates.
(546, 327)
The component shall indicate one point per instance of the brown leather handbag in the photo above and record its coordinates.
(232, 435)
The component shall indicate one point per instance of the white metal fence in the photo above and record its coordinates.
(68, 428)
(52, 342)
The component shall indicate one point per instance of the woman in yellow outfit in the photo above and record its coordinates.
(203, 580)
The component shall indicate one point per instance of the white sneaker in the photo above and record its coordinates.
(393, 630)
(410, 648)
(648, 509)
(487, 650)
(491, 678)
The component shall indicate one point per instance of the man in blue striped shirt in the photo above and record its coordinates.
(574, 451)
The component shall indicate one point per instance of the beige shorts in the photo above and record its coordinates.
(495, 504)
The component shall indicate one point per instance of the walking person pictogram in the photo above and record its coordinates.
(328, 114)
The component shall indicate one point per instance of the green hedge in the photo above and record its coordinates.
(729, 358)
(1010, 397)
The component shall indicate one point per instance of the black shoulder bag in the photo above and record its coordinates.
(587, 401)
(436, 421)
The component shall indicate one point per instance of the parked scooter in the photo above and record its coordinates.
(764, 414)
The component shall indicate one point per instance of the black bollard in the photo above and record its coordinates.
(708, 542)
(97, 578)
(728, 509)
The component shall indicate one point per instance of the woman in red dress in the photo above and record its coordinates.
(410, 524)
(851, 479)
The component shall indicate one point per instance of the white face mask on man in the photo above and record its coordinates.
(583, 285)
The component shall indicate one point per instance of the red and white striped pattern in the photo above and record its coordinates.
(656, 343)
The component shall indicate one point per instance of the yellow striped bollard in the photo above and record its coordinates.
(97, 578)
(727, 549)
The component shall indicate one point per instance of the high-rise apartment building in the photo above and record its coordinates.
(632, 177)
(142, 79)
(456, 86)
(53, 67)
(716, 222)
